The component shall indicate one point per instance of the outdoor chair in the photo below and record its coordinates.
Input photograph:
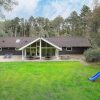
(29, 58)
(10, 56)
(47, 58)
(6, 55)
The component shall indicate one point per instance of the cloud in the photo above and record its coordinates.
(25, 8)
(92, 3)
(62, 8)
(55, 8)
(48, 8)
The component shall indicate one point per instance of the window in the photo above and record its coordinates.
(16, 49)
(0, 49)
(18, 41)
(69, 49)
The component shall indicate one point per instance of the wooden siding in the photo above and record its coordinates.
(75, 50)
(10, 51)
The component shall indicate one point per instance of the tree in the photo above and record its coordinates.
(95, 26)
(6, 5)
(96, 3)
(84, 11)
(2, 28)
(31, 25)
(85, 19)
(57, 25)
(73, 22)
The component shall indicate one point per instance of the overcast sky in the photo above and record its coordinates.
(47, 8)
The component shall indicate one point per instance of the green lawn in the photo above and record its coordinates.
(48, 81)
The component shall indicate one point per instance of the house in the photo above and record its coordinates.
(42, 48)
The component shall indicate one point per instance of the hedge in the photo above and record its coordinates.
(92, 55)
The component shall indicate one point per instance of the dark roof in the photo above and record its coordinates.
(59, 41)
(11, 41)
(70, 41)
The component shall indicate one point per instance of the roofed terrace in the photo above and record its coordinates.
(40, 49)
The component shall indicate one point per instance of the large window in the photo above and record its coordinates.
(33, 51)
(46, 49)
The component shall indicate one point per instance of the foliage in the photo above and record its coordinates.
(6, 5)
(2, 32)
(95, 26)
(86, 24)
(92, 55)
(85, 17)
(74, 22)
(39, 26)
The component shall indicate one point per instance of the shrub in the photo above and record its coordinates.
(92, 55)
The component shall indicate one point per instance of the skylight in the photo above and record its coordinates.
(18, 41)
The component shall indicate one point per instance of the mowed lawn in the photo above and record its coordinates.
(48, 81)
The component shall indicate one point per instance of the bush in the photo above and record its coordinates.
(92, 55)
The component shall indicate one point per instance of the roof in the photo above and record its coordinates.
(70, 41)
(19, 42)
(43, 39)
(11, 41)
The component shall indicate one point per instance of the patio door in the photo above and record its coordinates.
(37, 51)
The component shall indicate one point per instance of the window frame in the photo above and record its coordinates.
(68, 49)
(16, 49)
(0, 48)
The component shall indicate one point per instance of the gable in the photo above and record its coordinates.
(43, 40)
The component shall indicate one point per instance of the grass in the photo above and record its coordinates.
(47, 81)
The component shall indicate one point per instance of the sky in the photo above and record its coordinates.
(46, 8)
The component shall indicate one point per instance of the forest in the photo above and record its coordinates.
(86, 24)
